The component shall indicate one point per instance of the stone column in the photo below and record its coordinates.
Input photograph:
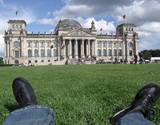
(112, 51)
(89, 48)
(6, 49)
(95, 45)
(93, 48)
(123, 50)
(70, 49)
(58, 50)
(107, 48)
(9, 48)
(76, 48)
(86, 47)
(64, 49)
(82, 49)
(126, 50)
(39, 49)
(34, 49)
(102, 49)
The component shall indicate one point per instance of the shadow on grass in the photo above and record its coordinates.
(12, 107)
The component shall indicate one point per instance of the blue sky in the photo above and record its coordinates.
(43, 15)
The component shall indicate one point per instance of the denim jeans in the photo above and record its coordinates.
(134, 119)
(31, 115)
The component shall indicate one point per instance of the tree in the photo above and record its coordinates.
(147, 54)
(1, 61)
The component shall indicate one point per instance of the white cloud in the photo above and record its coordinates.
(74, 11)
(107, 27)
(151, 27)
(140, 12)
(9, 12)
(143, 13)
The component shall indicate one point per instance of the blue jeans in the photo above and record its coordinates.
(134, 119)
(31, 115)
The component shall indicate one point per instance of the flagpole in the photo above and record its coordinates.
(16, 14)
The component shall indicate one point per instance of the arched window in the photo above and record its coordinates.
(110, 44)
(115, 52)
(42, 53)
(130, 53)
(17, 54)
(36, 54)
(110, 52)
(55, 52)
(16, 44)
(36, 44)
(49, 53)
(119, 52)
(99, 44)
(104, 52)
(130, 45)
(29, 53)
(99, 52)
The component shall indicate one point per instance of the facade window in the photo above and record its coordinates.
(130, 45)
(42, 60)
(104, 44)
(110, 44)
(48, 44)
(36, 54)
(130, 53)
(49, 60)
(99, 44)
(110, 52)
(13, 26)
(99, 53)
(49, 53)
(104, 52)
(115, 45)
(55, 53)
(29, 53)
(42, 44)
(17, 54)
(36, 61)
(119, 52)
(29, 44)
(42, 53)
(16, 44)
(36, 44)
(54, 45)
(115, 52)
(120, 44)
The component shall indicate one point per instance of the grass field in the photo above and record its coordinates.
(80, 94)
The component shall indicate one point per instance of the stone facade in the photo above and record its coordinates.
(69, 41)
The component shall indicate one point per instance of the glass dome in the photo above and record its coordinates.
(68, 24)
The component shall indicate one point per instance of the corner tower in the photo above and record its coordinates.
(13, 38)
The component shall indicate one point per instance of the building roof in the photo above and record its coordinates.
(17, 21)
(126, 24)
(68, 24)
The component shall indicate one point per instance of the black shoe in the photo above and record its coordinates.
(23, 92)
(143, 102)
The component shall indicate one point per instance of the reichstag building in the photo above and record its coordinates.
(69, 43)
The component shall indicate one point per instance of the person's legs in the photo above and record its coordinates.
(30, 113)
(136, 118)
(138, 112)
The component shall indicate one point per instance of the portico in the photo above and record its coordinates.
(78, 48)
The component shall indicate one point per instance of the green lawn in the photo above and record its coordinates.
(80, 94)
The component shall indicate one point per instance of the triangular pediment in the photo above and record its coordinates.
(78, 33)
